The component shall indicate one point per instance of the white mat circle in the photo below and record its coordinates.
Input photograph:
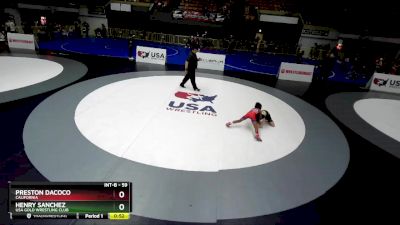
(383, 114)
(19, 72)
(134, 119)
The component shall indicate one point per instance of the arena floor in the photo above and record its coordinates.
(332, 154)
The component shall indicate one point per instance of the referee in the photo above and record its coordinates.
(190, 68)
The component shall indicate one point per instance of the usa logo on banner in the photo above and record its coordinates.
(386, 83)
(151, 55)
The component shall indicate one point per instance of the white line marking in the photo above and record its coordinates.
(252, 71)
(258, 64)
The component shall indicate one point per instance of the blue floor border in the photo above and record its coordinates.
(245, 62)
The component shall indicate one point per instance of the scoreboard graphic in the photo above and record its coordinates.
(70, 200)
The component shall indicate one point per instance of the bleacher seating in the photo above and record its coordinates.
(198, 5)
(275, 5)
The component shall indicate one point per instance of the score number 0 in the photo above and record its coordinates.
(121, 206)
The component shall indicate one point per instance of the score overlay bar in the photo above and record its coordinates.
(69, 200)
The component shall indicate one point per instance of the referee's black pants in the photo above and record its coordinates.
(192, 76)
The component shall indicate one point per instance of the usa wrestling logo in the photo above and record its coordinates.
(387, 83)
(193, 103)
(143, 54)
(195, 97)
(380, 82)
